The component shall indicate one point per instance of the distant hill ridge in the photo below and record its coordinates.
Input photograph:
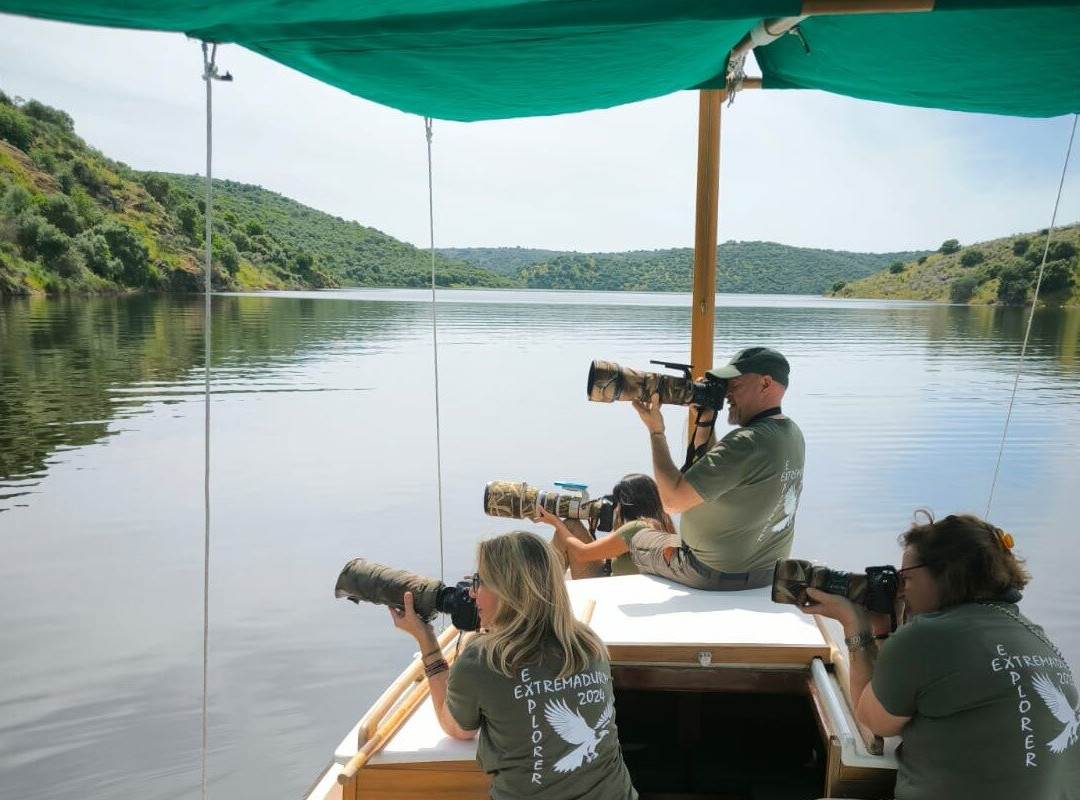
(1001, 271)
(748, 267)
(73, 220)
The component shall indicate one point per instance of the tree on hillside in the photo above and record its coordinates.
(15, 129)
(1058, 275)
(971, 257)
(949, 246)
(962, 289)
(48, 115)
(1014, 282)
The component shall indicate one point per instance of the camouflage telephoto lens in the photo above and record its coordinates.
(875, 589)
(518, 500)
(609, 382)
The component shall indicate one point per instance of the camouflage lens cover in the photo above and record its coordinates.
(373, 583)
(609, 382)
(518, 500)
(793, 575)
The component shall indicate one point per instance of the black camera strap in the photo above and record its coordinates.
(694, 453)
(768, 412)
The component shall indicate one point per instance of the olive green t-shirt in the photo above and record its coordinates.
(541, 736)
(623, 564)
(750, 481)
(994, 712)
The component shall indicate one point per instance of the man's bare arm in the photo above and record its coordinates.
(676, 493)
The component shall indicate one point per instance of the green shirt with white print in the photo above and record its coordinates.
(541, 736)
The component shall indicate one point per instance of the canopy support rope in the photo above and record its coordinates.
(1031, 315)
(210, 74)
(428, 132)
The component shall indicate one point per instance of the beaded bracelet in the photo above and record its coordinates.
(436, 668)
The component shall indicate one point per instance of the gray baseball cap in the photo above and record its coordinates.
(756, 361)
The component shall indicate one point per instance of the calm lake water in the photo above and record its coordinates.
(323, 448)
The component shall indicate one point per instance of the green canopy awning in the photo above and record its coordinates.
(490, 59)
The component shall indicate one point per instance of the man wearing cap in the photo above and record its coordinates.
(738, 499)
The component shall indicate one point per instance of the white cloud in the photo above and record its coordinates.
(801, 168)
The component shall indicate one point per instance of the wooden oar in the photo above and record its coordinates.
(413, 673)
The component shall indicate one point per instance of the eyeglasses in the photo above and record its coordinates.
(900, 572)
(476, 582)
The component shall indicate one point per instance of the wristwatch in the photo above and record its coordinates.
(859, 641)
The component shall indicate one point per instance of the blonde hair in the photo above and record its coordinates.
(534, 621)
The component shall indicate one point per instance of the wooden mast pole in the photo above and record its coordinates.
(705, 233)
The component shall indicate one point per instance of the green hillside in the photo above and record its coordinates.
(73, 220)
(1001, 271)
(748, 267)
(352, 253)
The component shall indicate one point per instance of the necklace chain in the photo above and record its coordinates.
(1008, 612)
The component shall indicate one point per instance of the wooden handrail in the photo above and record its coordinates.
(385, 732)
(875, 745)
(587, 611)
(413, 673)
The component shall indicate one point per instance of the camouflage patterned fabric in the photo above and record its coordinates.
(609, 382)
(518, 500)
(373, 583)
(793, 575)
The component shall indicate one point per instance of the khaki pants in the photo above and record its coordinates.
(664, 554)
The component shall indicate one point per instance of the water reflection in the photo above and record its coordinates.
(323, 420)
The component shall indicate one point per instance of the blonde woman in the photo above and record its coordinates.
(535, 683)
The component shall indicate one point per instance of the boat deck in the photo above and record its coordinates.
(662, 637)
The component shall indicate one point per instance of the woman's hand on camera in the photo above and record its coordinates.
(650, 413)
(543, 515)
(407, 620)
(833, 606)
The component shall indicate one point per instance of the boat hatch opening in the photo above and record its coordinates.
(720, 734)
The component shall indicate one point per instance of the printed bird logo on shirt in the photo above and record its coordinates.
(1059, 706)
(573, 729)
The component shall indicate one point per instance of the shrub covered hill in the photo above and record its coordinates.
(742, 267)
(1002, 271)
(72, 220)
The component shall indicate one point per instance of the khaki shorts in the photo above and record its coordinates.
(664, 554)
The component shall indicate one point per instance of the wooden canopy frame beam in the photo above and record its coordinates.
(708, 169)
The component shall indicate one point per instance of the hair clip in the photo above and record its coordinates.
(1006, 539)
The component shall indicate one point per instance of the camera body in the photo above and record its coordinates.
(374, 583)
(609, 382)
(458, 602)
(518, 500)
(875, 589)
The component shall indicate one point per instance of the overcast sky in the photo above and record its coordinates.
(801, 168)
